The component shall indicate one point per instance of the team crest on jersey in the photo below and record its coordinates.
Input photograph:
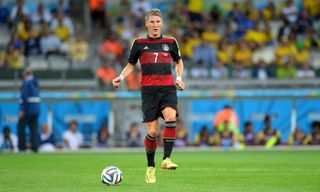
(165, 47)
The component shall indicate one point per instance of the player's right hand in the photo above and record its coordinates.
(180, 84)
(116, 81)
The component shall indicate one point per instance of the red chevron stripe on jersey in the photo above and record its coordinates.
(155, 57)
(157, 80)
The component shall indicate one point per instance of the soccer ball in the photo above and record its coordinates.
(111, 175)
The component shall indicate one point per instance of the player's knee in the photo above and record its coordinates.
(153, 132)
(171, 119)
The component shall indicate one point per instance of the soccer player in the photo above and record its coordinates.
(158, 91)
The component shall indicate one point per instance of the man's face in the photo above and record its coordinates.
(154, 25)
(20, 2)
(73, 127)
(44, 129)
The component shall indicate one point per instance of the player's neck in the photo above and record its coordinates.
(155, 36)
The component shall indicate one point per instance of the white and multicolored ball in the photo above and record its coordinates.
(111, 175)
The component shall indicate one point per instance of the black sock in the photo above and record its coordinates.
(150, 157)
(167, 147)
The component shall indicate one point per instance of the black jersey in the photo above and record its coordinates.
(155, 56)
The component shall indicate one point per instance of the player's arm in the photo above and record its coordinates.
(127, 70)
(175, 53)
(179, 71)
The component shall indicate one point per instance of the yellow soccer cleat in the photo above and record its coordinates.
(168, 164)
(151, 175)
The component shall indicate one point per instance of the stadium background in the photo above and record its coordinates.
(71, 89)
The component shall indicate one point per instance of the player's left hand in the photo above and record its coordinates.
(180, 84)
(116, 81)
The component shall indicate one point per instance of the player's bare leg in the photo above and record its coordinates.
(150, 143)
(169, 136)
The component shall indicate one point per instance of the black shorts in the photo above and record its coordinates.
(154, 103)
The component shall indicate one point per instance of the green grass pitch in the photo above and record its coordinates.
(198, 171)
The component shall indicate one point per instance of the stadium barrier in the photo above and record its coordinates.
(288, 108)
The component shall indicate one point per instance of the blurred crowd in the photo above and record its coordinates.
(72, 138)
(243, 41)
(48, 30)
(218, 40)
(224, 133)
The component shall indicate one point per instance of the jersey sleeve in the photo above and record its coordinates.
(134, 53)
(175, 52)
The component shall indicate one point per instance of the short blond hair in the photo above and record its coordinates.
(153, 12)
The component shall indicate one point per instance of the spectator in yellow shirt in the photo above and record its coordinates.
(30, 36)
(78, 49)
(222, 54)
(243, 55)
(2, 58)
(195, 9)
(62, 31)
(14, 58)
(302, 56)
(312, 6)
(211, 35)
(26, 30)
(190, 43)
(269, 13)
(267, 31)
(256, 35)
(283, 52)
(249, 7)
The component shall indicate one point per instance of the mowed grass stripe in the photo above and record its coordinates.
(198, 171)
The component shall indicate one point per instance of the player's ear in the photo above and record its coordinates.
(161, 23)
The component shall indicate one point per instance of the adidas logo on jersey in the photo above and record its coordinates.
(146, 47)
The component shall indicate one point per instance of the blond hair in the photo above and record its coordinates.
(153, 12)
